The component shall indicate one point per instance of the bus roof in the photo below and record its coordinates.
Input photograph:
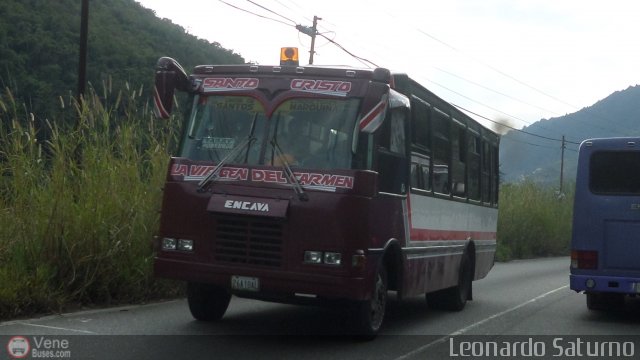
(377, 74)
(611, 142)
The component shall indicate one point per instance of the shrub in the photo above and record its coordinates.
(534, 221)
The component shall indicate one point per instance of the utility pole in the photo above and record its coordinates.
(562, 164)
(311, 31)
(313, 39)
(82, 63)
(82, 74)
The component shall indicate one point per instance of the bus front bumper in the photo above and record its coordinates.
(274, 284)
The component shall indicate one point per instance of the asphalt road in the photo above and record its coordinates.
(526, 302)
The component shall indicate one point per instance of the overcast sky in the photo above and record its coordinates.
(515, 61)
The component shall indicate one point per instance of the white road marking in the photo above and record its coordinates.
(54, 327)
(474, 325)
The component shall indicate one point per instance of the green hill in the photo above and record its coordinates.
(39, 48)
(523, 156)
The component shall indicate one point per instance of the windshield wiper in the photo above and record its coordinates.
(290, 176)
(231, 155)
(216, 170)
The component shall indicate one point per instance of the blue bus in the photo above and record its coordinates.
(605, 244)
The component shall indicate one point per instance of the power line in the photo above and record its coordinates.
(367, 63)
(255, 14)
(496, 69)
(539, 123)
(511, 127)
(494, 109)
(324, 33)
(528, 143)
(271, 11)
(296, 5)
(515, 79)
(361, 59)
(496, 92)
(468, 98)
(532, 144)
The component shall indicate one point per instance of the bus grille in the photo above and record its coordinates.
(249, 240)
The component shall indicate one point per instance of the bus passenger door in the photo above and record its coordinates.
(391, 153)
(390, 210)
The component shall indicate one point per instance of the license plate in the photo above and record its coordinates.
(245, 283)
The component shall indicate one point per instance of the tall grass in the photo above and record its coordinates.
(79, 208)
(534, 221)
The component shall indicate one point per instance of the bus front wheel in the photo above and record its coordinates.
(368, 315)
(207, 302)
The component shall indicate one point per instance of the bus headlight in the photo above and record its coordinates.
(319, 257)
(169, 243)
(313, 257)
(185, 245)
(332, 258)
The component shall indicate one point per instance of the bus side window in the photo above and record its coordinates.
(474, 166)
(495, 183)
(420, 172)
(415, 175)
(421, 143)
(459, 158)
(485, 180)
(441, 152)
(397, 141)
(426, 176)
(421, 119)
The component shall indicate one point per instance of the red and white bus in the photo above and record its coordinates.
(314, 184)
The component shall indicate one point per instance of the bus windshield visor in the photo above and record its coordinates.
(314, 133)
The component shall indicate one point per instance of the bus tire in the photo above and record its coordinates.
(207, 302)
(455, 298)
(604, 301)
(368, 315)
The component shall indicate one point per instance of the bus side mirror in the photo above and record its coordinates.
(169, 76)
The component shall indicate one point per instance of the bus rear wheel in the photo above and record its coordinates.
(455, 298)
(207, 302)
(368, 315)
(604, 301)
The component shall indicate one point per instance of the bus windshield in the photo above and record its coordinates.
(312, 133)
(315, 133)
(220, 123)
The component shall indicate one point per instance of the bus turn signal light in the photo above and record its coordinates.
(584, 259)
